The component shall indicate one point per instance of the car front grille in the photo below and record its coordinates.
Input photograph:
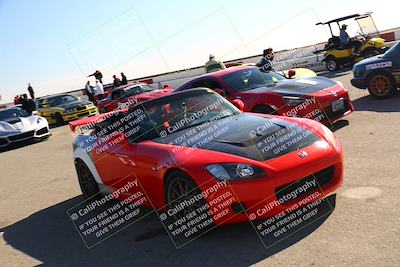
(322, 178)
(81, 108)
(42, 131)
(21, 136)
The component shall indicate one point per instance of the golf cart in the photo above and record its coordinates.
(338, 54)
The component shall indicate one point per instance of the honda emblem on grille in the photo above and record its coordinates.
(302, 154)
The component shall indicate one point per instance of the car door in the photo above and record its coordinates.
(113, 155)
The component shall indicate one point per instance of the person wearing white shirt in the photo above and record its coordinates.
(99, 90)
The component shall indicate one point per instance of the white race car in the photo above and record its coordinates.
(17, 125)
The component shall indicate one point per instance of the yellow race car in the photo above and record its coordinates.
(59, 109)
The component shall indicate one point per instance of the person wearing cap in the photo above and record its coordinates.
(349, 42)
(214, 65)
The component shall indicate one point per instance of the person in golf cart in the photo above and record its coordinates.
(348, 42)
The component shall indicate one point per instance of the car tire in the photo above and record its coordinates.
(263, 110)
(59, 119)
(331, 64)
(381, 85)
(179, 187)
(87, 183)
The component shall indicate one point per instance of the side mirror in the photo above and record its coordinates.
(239, 104)
(291, 73)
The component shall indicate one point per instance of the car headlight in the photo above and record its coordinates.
(232, 171)
(293, 100)
(39, 120)
(329, 136)
(68, 110)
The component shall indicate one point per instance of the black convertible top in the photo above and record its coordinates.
(345, 18)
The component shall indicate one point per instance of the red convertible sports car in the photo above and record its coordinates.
(125, 96)
(317, 98)
(194, 151)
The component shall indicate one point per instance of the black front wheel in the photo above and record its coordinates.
(87, 182)
(331, 64)
(181, 187)
(59, 119)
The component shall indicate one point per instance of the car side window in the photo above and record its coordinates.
(116, 94)
(213, 85)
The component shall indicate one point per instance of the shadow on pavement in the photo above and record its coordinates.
(50, 237)
(334, 74)
(339, 125)
(369, 103)
(22, 144)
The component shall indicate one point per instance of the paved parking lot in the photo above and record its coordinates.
(38, 185)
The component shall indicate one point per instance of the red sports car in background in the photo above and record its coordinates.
(317, 98)
(127, 95)
(193, 151)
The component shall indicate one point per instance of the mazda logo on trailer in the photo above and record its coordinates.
(302, 154)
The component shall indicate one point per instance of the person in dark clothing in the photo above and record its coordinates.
(98, 75)
(90, 93)
(124, 80)
(24, 102)
(117, 81)
(31, 92)
(30, 106)
(265, 63)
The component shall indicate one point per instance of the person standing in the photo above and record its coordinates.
(214, 65)
(117, 81)
(31, 92)
(265, 63)
(99, 90)
(90, 93)
(98, 75)
(124, 80)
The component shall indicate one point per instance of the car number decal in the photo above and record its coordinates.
(380, 65)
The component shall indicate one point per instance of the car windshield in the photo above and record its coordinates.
(394, 51)
(8, 114)
(138, 89)
(59, 100)
(251, 78)
(177, 112)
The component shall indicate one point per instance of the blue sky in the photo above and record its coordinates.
(55, 44)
